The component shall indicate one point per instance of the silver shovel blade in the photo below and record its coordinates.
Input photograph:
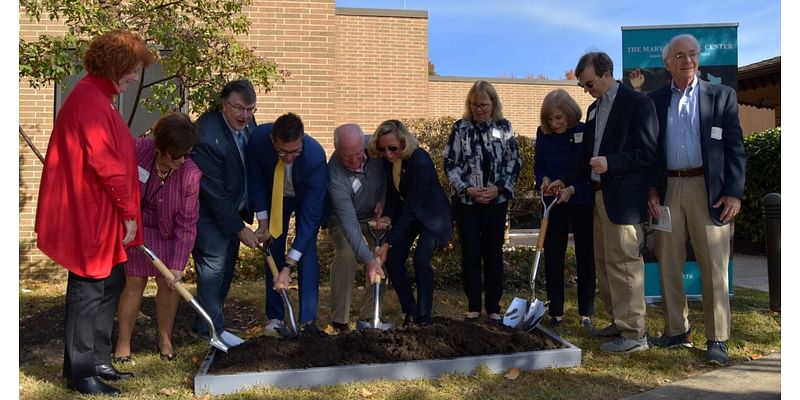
(533, 316)
(515, 312)
(230, 339)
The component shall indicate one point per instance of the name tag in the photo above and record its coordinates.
(578, 137)
(591, 115)
(496, 133)
(716, 133)
(356, 185)
(144, 175)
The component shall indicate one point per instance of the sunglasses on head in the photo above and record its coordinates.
(391, 149)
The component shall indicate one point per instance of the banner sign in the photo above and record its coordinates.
(642, 54)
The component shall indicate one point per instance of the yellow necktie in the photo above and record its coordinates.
(396, 173)
(276, 214)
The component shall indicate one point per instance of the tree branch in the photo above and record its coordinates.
(159, 81)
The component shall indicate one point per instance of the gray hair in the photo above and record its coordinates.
(676, 39)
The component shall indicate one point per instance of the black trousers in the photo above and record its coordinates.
(89, 320)
(423, 270)
(481, 229)
(555, 248)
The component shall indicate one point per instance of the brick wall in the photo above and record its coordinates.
(382, 66)
(521, 98)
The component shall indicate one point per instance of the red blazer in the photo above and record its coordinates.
(89, 183)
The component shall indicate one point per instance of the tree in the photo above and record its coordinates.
(431, 69)
(194, 40)
(570, 75)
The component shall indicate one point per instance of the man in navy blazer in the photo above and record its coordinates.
(619, 152)
(700, 176)
(305, 185)
(223, 198)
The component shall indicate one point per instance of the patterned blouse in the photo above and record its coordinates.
(482, 155)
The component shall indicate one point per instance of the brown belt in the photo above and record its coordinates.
(596, 185)
(686, 173)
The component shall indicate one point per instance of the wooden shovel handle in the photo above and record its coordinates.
(271, 263)
(377, 277)
(542, 232)
(161, 267)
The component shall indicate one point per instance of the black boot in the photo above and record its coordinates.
(109, 373)
(92, 385)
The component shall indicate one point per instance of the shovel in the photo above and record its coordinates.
(230, 339)
(522, 313)
(293, 332)
(376, 281)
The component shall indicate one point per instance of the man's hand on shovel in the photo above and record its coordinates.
(375, 267)
(284, 278)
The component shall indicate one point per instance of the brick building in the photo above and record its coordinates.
(347, 65)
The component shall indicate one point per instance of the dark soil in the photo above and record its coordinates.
(41, 335)
(444, 339)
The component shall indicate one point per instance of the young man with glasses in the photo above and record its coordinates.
(619, 152)
(700, 173)
(220, 154)
(287, 174)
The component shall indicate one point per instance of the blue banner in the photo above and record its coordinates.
(642, 54)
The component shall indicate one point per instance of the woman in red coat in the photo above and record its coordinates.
(88, 208)
(169, 182)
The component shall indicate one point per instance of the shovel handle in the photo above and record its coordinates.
(161, 267)
(270, 262)
(542, 232)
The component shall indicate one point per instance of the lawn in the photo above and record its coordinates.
(756, 331)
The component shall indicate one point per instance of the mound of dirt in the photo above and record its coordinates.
(444, 339)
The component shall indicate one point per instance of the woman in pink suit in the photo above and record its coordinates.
(169, 183)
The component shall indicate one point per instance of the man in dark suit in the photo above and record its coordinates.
(288, 174)
(618, 153)
(699, 175)
(223, 197)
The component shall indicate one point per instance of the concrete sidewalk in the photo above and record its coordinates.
(753, 380)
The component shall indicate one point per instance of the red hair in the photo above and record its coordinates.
(115, 54)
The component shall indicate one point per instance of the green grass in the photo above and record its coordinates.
(756, 331)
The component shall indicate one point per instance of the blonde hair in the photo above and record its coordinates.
(559, 99)
(408, 142)
(483, 87)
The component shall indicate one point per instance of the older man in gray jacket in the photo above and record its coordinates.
(356, 188)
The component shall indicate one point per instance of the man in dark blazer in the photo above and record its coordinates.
(302, 190)
(223, 199)
(619, 153)
(700, 176)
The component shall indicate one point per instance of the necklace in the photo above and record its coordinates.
(163, 175)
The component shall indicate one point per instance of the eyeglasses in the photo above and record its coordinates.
(187, 154)
(282, 153)
(587, 85)
(481, 106)
(391, 149)
(693, 55)
(242, 110)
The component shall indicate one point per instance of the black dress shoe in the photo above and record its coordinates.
(109, 373)
(424, 321)
(92, 385)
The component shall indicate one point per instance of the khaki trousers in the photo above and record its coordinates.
(688, 205)
(343, 273)
(620, 270)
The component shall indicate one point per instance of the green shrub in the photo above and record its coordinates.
(763, 176)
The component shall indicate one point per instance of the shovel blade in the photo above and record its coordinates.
(533, 316)
(218, 343)
(230, 339)
(515, 312)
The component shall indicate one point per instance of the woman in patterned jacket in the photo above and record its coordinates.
(482, 163)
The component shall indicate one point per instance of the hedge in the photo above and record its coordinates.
(763, 176)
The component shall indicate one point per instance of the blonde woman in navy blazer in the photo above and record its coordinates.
(418, 207)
